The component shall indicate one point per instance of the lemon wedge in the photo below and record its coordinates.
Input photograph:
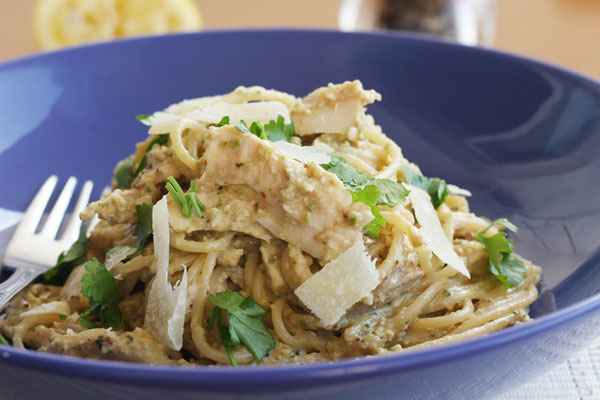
(60, 23)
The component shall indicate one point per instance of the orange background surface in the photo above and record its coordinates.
(560, 31)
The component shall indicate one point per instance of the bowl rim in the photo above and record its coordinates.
(219, 378)
(402, 35)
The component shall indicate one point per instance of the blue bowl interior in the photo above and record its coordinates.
(521, 135)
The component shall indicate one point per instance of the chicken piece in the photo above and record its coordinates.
(298, 203)
(119, 205)
(332, 109)
(160, 165)
(228, 208)
(135, 346)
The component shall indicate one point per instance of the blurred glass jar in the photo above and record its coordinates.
(470, 22)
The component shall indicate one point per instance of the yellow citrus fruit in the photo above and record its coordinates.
(59, 23)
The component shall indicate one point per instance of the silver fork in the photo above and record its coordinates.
(34, 253)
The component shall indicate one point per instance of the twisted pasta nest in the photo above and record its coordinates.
(270, 223)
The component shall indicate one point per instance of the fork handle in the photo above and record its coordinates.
(15, 283)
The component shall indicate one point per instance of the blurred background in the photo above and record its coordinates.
(559, 31)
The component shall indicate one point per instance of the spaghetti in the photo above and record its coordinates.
(272, 221)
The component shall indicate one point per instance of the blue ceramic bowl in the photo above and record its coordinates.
(523, 136)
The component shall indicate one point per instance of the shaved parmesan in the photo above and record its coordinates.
(432, 232)
(458, 190)
(212, 113)
(188, 105)
(318, 152)
(117, 255)
(49, 309)
(165, 308)
(263, 111)
(339, 284)
(72, 287)
(161, 122)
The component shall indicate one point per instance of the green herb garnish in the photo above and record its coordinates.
(224, 121)
(68, 260)
(256, 128)
(100, 287)
(435, 187)
(279, 130)
(143, 232)
(369, 195)
(273, 131)
(187, 202)
(123, 174)
(368, 190)
(242, 127)
(4, 341)
(242, 323)
(504, 263)
(144, 227)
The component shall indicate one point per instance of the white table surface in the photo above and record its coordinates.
(576, 379)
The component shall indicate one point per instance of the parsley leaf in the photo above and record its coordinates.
(504, 264)
(256, 128)
(368, 190)
(244, 324)
(436, 187)
(187, 202)
(350, 176)
(100, 287)
(369, 196)
(279, 130)
(144, 227)
(242, 127)
(143, 233)
(67, 260)
(4, 341)
(273, 131)
(124, 175)
(224, 121)
(390, 192)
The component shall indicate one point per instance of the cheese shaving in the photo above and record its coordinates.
(162, 122)
(165, 308)
(318, 152)
(49, 309)
(118, 255)
(432, 231)
(458, 190)
(339, 284)
(263, 111)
